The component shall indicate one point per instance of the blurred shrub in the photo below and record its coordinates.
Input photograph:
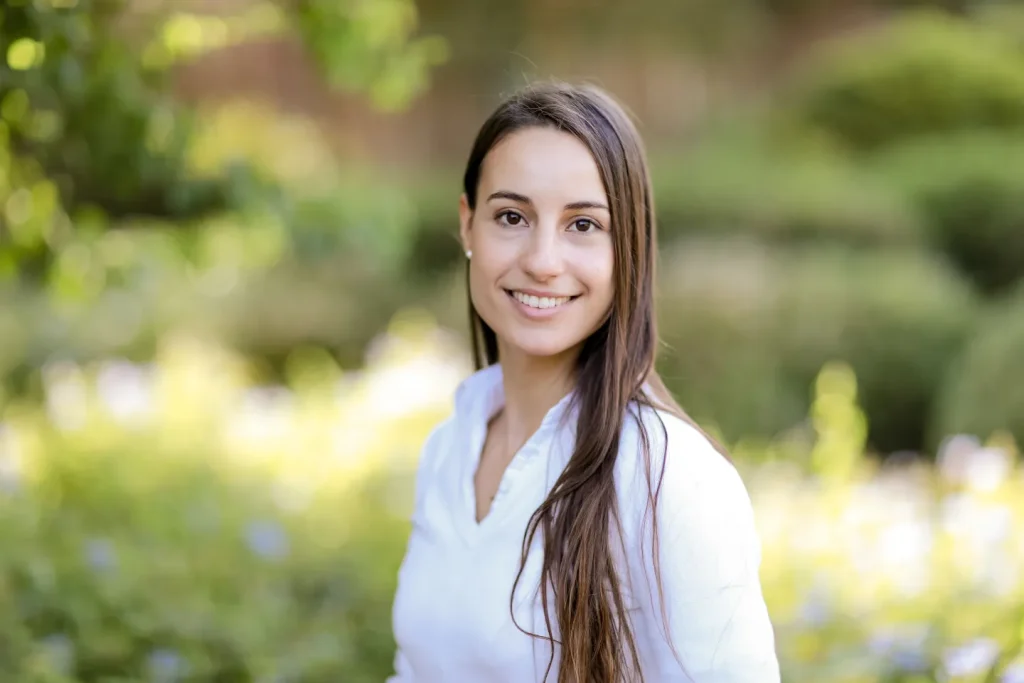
(1004, 16)
(781, 195)
(435, 246)
(748, 327)
(984, 391)
(338, 303)
(173, 522)
(923, 72)
(970, 187)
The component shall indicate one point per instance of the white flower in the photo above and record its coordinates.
(10, 472)
(66, 395)
(1014, 673)
(972, 658)
(264, 414)
(963, 460)
(126, 390)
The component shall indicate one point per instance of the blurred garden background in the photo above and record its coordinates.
(231, 308)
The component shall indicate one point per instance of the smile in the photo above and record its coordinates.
(539, 302)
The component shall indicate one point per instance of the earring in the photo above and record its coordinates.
(469, 253)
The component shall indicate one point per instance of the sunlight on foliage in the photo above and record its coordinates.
(908, 573)
(186, 36)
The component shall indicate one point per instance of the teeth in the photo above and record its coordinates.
(540, 302)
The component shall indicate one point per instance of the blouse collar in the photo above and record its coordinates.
(481, 395)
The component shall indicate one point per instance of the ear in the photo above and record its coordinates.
(465, 223)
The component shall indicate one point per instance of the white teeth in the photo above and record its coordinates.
(540, 302)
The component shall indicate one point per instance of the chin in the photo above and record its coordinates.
(531, 345)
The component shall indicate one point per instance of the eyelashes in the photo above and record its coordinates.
(514, 219)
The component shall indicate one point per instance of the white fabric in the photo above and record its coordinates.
(451, 612)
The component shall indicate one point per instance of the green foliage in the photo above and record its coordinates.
(984, 391)
(748, 327)
(921, 73)
(90, 136)
(91, 116)
(141, 563)
(782, 195)
(173, 522)
(368, 46)
(159, 526)
(970, 188)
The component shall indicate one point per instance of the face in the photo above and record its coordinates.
(542, 258)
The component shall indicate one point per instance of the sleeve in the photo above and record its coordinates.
(425, 469)
(719, 630)
(403, 674)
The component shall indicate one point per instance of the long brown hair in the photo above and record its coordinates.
(615, 370)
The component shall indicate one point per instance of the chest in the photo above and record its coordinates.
(459, 612)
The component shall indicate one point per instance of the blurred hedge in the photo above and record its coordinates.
(748, 326)
(922, 72)
(174, 522)
(970, 188)
(984, 390)
(131, 563)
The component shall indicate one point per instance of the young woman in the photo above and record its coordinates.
(571, 524)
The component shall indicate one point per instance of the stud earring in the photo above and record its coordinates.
(469, 253)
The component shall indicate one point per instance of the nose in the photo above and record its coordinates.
(542, 257)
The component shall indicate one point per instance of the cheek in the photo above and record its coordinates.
(601, 278)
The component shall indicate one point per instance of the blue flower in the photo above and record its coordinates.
(59, 652)
(166, 666)
(267, 539)
(99, 553)
(902, 649)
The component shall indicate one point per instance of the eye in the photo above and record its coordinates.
(510, 218)
(584, 225)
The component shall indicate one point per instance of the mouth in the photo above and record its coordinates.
(540, 303)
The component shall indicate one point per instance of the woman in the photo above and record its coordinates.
(566, 464)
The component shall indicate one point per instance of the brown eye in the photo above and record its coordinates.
(510, 218)
(584, 225)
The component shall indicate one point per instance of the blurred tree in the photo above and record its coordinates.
(89, 132)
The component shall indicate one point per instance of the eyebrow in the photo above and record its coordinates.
(523, 199)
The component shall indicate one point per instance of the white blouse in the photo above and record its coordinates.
(451, 612)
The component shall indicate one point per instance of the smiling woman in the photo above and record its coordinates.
(542, 263)
(571, 523)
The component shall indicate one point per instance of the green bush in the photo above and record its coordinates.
(741, 178)
(733, 184)
(984, 390)
(435, 245)
(922, 73)
(136, 562)
(970, 188)
(748, 327)
(173, 522)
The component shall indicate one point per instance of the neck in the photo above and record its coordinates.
(533, 385)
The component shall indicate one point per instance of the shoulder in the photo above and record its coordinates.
(678, 453)
(701, 496)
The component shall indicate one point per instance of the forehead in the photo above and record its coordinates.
(543, 164)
